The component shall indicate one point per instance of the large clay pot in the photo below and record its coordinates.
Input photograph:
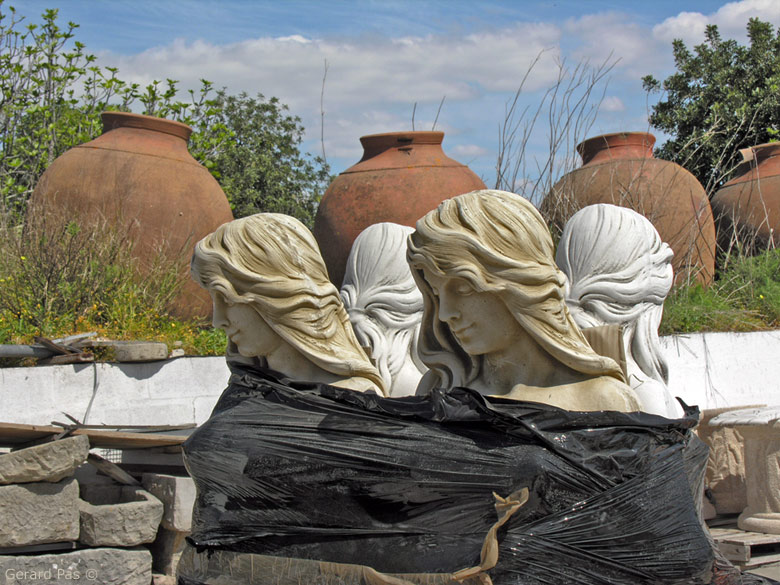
(620, 169)
(747, 208)
(401, 177)
(139, 174)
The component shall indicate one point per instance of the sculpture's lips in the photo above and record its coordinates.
(461, 331)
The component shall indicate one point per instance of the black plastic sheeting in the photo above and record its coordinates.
(406, 485)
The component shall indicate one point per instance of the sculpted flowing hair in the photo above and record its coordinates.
(619, 272)
(499, 243)
(272, 262)
(381, 297)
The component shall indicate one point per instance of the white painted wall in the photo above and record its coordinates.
(710, 370)
(715, 370)
(177, 391)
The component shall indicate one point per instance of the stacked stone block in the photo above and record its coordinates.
(41, 504)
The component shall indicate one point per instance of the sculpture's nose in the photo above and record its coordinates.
(219, 318)
(448, 311)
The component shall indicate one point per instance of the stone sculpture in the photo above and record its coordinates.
(495, 319)
(384, 304)
(272, 297)
(619, 272)
(759, 427)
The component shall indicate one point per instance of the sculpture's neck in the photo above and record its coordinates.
(293, 364)
(523, 363)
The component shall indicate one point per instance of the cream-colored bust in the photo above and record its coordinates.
(385, 305)
(495, 318)
(273, 298)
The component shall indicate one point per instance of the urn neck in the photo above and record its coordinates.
(375, 144)
(621, 145)
(115, 120)
(766, 151)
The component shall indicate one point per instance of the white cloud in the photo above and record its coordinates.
(371, 83)
(612, 103)
(609, 37)
(467, 151)
(360, 70)
(731, 19)
(295, 38)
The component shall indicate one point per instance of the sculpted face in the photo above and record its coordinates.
(245, 327)
(480, 321)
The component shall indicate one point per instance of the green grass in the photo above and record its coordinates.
(744, 297)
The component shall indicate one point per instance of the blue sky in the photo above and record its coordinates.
(385, 56)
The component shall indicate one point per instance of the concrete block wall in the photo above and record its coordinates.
(170, 392)
(711, 370)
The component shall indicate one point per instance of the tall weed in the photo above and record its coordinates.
(59, 276)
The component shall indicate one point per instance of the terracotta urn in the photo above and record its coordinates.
(747, 208)
(620, 169)
(401, 177)
(139, 176)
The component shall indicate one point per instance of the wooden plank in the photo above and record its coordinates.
(735, 553)
(132, 428)
(12, 434)
(759, 560)
(737, 536)
(112, 470)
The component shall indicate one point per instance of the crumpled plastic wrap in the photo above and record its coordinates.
(414, 485)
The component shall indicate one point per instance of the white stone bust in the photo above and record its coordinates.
(495, 319)
(384, 304)
(272, 297)
(620, 272)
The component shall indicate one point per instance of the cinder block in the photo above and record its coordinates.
(177, 495)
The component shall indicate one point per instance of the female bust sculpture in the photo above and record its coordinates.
(620, 272)
(272, 297)
(495, 318)
(385, 305)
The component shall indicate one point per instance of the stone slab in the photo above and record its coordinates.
(177, 495)
(764, 416)
(103, 566)
(132, 520)
(37, 513)
(51, 462)
(133, 351)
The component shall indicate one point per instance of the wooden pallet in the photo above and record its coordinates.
(747, 549)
